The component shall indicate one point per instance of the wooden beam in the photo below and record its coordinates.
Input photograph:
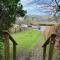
(14, 51)
(48, 39)
(51, 51)
(44, 52)
(10, 37)
(6, 46)
(52, 42)
(46, 43)
(6, 37)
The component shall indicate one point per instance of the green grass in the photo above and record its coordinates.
(27, 39)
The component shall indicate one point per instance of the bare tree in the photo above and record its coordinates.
(54, 8)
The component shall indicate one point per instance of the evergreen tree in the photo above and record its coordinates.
(9, 9)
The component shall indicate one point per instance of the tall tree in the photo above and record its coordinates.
(9, 9)
(53, 7)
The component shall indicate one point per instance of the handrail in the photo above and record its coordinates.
(10, 37)
(48, 39)
(6, 38)
(51, 40)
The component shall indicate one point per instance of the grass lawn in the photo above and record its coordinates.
(27, 39)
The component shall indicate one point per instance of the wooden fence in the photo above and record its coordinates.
(6, 38)
(51, 41)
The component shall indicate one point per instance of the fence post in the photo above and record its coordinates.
(44, 52)
(14, 51)
(6, 46)
(51, 49)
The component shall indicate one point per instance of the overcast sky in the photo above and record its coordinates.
(33, 7)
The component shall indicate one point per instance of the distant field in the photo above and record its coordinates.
(27, 39)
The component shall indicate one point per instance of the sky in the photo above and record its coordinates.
(33, 7)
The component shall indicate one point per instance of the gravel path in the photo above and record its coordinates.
(37, 51)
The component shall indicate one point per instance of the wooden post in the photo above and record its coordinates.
(6, 46)
(51, 50)
(14, 51)
(44, 52)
